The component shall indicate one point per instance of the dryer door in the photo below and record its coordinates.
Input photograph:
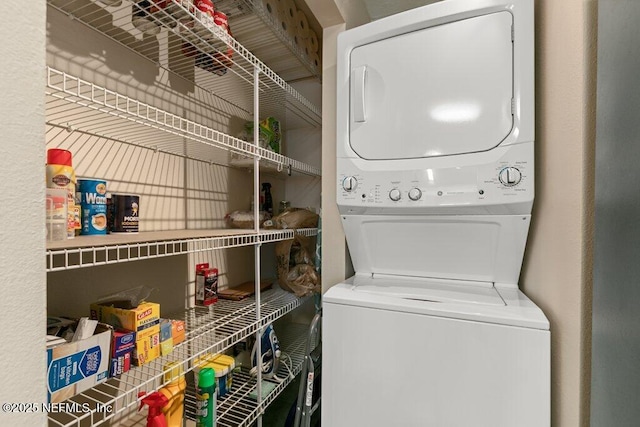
(438, 91)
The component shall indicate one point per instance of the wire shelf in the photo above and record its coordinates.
(239, 408)
(194, 42)
(92, 251)
(209, 330)
(75, 103)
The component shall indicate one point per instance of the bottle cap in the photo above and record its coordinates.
(174, 373)
(206, 378)
(58, 156)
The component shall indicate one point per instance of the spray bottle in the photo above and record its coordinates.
(267, 204)
(156, 401)
(206, 398)
(174, 392)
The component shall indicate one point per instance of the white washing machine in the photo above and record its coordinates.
(435, 160)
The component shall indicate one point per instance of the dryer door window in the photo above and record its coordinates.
(438, 91)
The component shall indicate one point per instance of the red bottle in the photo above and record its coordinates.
(155, 401)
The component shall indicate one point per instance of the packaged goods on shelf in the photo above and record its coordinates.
(61, 175)
(56, 214)
(120, 364)
(223, 365)
(147, 347)
(245, 219)
(124, 215)
(269, 134)
(296, 270)
(123, 342)
(144, 320)
(178, 332)
(77, 366)
(122, 347)
(206, 284)
(217, 60)
(93, 203)
(293, 218)
(166, 338)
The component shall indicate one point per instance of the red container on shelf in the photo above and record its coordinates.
(206, 284)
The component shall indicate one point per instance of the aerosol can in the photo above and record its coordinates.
(270, 349)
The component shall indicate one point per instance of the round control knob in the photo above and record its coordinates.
(510, 176)
(395, 195)
(349, 183)
(415, 194)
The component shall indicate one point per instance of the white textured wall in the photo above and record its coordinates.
(22, 268)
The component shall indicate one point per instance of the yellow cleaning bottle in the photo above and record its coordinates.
(174, 392)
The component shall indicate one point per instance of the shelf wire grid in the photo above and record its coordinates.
(209, 330)
(75, 103)
(74, 255)
(239, 408)
(245, 22)
(193, 40)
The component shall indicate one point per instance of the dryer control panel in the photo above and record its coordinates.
(501, 181)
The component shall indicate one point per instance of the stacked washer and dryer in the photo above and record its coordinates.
(435, 161)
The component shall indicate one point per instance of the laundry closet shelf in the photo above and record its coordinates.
(269, 45)
(75, 104)
(92, 251)
(238, 408)
(211, 329)
(204, 41)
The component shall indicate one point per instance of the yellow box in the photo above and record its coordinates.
(147, 348)
(141, 319)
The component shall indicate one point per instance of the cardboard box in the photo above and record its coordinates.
(78, 366)
(123, 342)
(141, 319)
(177, 331)
(166, 340)
(147, 348)
(120, 364)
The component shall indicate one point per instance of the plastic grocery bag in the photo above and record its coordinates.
(296, 271)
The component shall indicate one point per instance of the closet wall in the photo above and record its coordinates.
(185, 182)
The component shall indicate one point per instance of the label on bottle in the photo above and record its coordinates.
(205, 408)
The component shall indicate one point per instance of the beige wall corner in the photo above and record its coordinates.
(335, 12)
(556, 272)
(333, 243)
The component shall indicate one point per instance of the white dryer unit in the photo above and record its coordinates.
(435, 161)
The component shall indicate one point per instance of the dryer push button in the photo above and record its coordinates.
(395, 194)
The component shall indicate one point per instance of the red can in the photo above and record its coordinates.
(205, 6)
(217, 61)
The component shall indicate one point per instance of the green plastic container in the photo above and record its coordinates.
(206, 398)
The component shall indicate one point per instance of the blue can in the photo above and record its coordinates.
(93, 202)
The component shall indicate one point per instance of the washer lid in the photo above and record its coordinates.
(427, 289)
(441, 90)
(477, 306)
